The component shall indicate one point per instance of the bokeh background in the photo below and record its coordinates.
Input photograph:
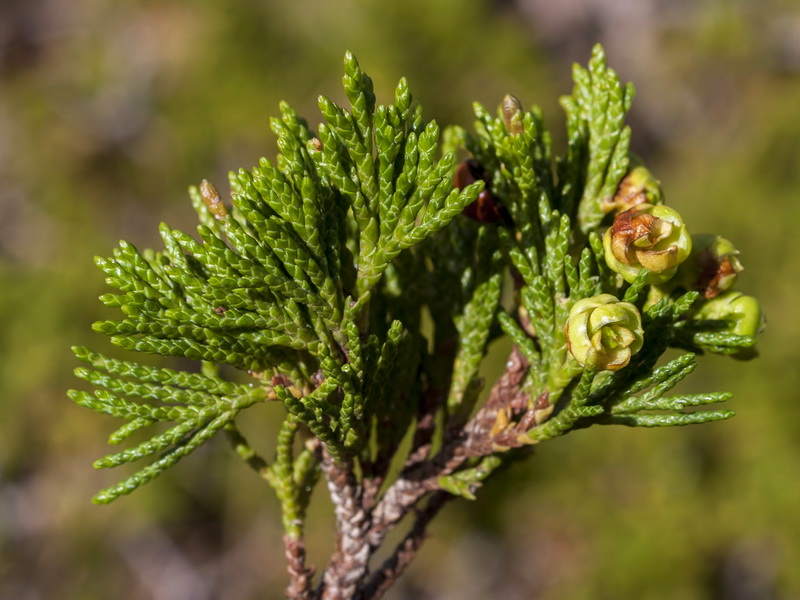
(109, 110)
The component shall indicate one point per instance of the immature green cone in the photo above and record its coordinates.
(604, 333)
(636, 188)
(647, 237)
(744, 314)
(712, 267)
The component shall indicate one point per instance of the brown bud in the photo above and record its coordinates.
(317, 378)
(212, 200)
(486, 208)
(512, 114)
(281, 379)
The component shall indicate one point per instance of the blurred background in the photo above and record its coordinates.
(108, 111)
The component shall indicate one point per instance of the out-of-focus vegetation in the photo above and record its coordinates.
(108, 111)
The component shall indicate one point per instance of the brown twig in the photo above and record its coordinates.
(475, 439)
(348, 564)
(430, 401)
(505, 396)
(299, 575)
(361, 531)
(405, 552)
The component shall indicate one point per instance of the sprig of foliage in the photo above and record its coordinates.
(199, 405)
(344, 282)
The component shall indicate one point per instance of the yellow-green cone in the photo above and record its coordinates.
(647, 237)
(744, 314)
(604, 333)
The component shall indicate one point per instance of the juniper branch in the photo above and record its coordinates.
(348, 280)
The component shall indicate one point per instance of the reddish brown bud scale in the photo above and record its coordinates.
(713, 273)
(636, 188)
(628, 195)
(713, 265)
(633, 230)
(485, 208)
(280, 379)
(647, 237)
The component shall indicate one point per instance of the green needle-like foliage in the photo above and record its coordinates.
(280, 282)
(343, 281)
(196, 405)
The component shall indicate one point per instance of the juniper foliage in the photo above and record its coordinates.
(344, 281)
